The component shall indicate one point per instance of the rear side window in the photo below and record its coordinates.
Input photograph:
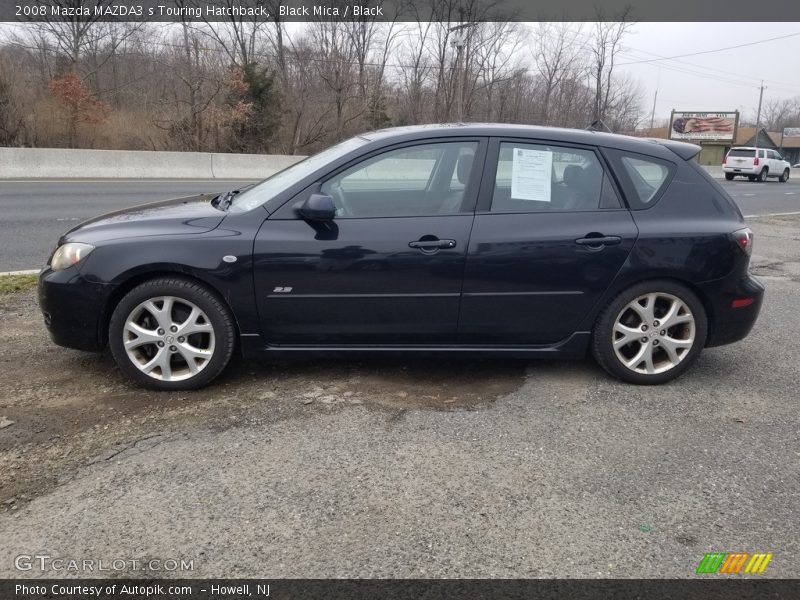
(647, 177)
(643, 177)
(548, 178)
(742, 153)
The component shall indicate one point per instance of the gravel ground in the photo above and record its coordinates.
(413, 468)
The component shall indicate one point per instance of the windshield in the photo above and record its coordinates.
(271, 186)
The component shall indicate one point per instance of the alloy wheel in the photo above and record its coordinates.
(168, 338)
(653, 333)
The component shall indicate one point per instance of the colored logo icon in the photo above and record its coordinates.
(734, 562)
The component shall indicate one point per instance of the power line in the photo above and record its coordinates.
(780, 37)
(714, 70)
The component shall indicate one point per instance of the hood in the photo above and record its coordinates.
(169, 217)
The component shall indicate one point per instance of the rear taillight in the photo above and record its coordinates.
(755, 161)
(744, 237)
(742, 302)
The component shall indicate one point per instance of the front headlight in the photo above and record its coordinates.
(69, 254)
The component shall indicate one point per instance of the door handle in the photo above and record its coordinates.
(432, 245)
(600, 240)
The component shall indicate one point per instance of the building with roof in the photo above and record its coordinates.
(714, 151)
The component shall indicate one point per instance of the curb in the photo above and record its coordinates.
(28, 272)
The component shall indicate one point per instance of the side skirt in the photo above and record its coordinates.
(575, 346)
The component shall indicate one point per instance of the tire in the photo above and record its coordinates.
(784, 176)
(751, 177)
(762, 177)
(157, 356)
(619, 322)
(729, 176)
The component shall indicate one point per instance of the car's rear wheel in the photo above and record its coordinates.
(784, 176)
(751, 177)
(650, 333)
(763, 175)
(729, 176)
(171, 334)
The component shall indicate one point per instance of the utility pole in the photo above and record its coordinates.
(758, 114)
(655, 97)
(653, 114)
(458, 41)
(460, 71)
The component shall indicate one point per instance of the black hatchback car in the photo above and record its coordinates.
(496, 240)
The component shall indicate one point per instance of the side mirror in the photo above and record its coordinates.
(318, 207)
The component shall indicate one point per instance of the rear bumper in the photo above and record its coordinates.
(742, 170)
(72, 308)
(730, 324)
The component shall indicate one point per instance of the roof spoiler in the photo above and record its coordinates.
(682, 149)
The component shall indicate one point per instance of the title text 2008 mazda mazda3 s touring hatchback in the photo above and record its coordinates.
(486, 239)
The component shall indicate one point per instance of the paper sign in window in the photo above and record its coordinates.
(531, 174)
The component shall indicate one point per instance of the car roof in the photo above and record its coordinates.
(650, 146)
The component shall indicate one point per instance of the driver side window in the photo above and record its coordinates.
(427, 179)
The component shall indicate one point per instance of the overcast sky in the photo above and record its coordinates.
(719, 81)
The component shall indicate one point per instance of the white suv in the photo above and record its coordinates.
(755, 163)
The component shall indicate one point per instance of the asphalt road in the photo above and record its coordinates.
(36, 213)
(410, 468)
(33, 214)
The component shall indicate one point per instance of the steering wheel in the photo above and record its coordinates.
(343, 208)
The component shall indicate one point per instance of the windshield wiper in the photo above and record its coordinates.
(223, 201)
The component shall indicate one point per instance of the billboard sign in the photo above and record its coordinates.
(699, 126)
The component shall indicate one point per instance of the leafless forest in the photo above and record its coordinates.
(276, 87)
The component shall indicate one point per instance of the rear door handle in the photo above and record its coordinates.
(604, 240)
(432, 244)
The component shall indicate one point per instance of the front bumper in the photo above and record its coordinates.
(72, 308)
(730, 324)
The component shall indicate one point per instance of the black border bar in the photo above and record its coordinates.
(704, 587)
(400, 10)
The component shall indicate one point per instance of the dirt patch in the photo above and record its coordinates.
(70, 408)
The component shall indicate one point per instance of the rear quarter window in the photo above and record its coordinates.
(643, 178)
(742, 153)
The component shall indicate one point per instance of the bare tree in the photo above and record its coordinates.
(71, 35)
(606, 46)
(238, 36)
(210, 87)
(415, 72)
(780, 113)
(559, 57)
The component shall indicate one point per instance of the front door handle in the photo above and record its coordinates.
(432, 245)
(600, 240)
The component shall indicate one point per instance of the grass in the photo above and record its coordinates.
(13, 284)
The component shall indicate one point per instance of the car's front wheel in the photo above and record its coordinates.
(650, 333)
(784, 176)
(171, 334)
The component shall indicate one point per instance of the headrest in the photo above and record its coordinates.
(573, 175)
(464, 167)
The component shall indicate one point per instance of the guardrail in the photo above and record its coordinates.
(61, 163)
